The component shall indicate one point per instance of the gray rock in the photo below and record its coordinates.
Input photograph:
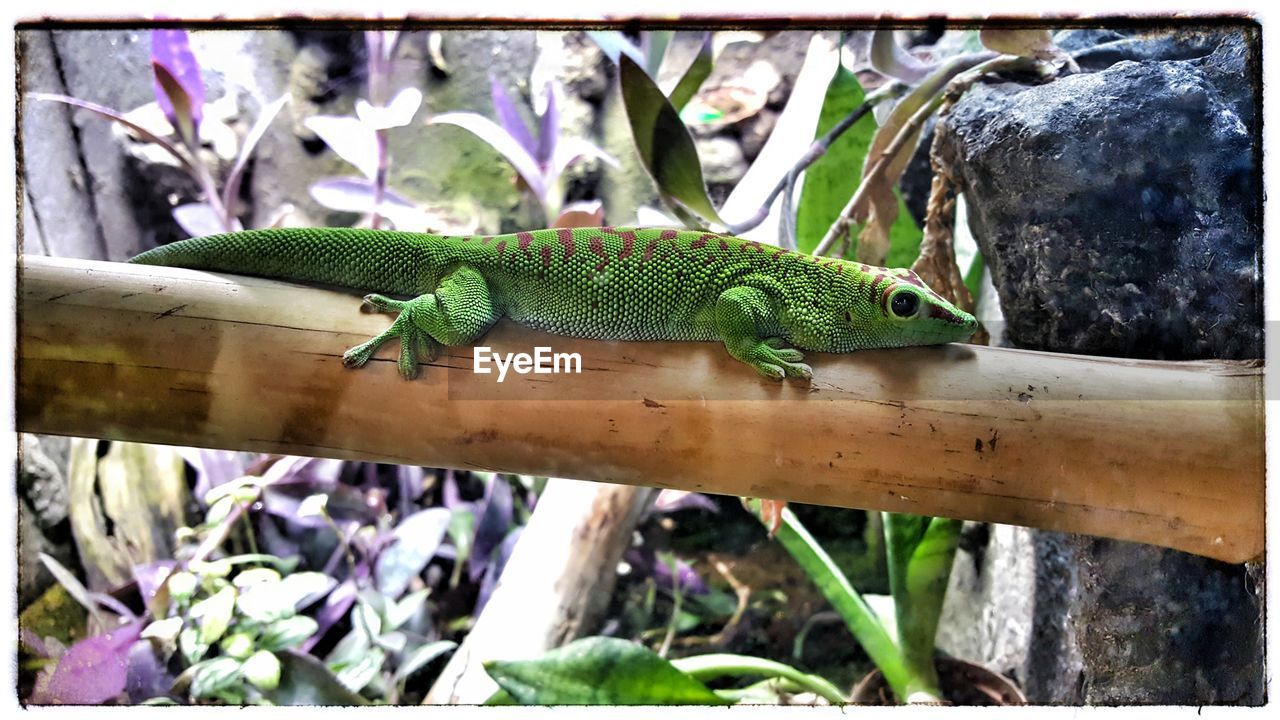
(56, 180)
(1118, 210)
(42, 478)
(722, 160)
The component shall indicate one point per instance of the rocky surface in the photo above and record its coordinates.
(1118, 210)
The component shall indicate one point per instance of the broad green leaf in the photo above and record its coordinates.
(693, 78)
(830, 181)
(304, 680)
(666, 149)
(904, 238)
(599, 671)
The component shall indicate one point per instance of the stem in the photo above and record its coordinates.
(707, 667)
(817, 150)
(858, 616)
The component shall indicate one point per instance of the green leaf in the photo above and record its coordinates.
(287, 632)
(214, 614)
(359, 672)
(213, 676)
(268, 601)
(263, 670)
(904, 237)
(833, 178)
(666, 149)
(921, 551)
(830, 181)
(304, 680)
(599, 671)
(423, 655)
(693, 78)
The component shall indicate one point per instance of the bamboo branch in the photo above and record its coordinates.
(1156, 452)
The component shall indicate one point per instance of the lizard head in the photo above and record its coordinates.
(881, 307)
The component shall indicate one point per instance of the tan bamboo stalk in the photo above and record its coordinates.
(1156, 452)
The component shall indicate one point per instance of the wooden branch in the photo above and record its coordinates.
(1163, 453)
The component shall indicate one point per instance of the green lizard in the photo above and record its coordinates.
(766, 304)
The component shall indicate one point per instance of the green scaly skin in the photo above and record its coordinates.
(764, 303)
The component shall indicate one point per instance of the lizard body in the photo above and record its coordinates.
(601, 283)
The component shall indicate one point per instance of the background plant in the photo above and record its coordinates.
(180, 93)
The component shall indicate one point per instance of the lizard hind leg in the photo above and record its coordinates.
(457, 313)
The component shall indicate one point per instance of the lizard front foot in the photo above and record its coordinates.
(774, 360)
(415, 343)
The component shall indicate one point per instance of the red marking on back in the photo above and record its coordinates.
(546, 255)
(648, 250)
(724, 244)
(669, 234)
(597, 246)
(485, 240)
(467, 238)
(698, 244)
(502, 247)
(840, 269)
(628, 242)
(524, 238)
(565, 236)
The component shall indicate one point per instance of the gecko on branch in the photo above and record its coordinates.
(764, 303)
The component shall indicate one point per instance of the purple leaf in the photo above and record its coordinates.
(549, 130)
(32, 642)
(647, 564)
(409, 483)
(199, 219)
(232, 189)
(351, 139)
(417, 538)
(117, 116)
(295, 469)
(357, 194)
(213, 467)
(171, 50)
(509, 117)
(336, 606)
(92, 671)
(150, 576)
(492, 527)
(397, 113)
(501, 141)
(147, 675)
(671, 500)
(494, 572)
(569, 150)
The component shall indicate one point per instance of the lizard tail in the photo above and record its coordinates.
(380, 260)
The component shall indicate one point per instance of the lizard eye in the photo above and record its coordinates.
(905, 304)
